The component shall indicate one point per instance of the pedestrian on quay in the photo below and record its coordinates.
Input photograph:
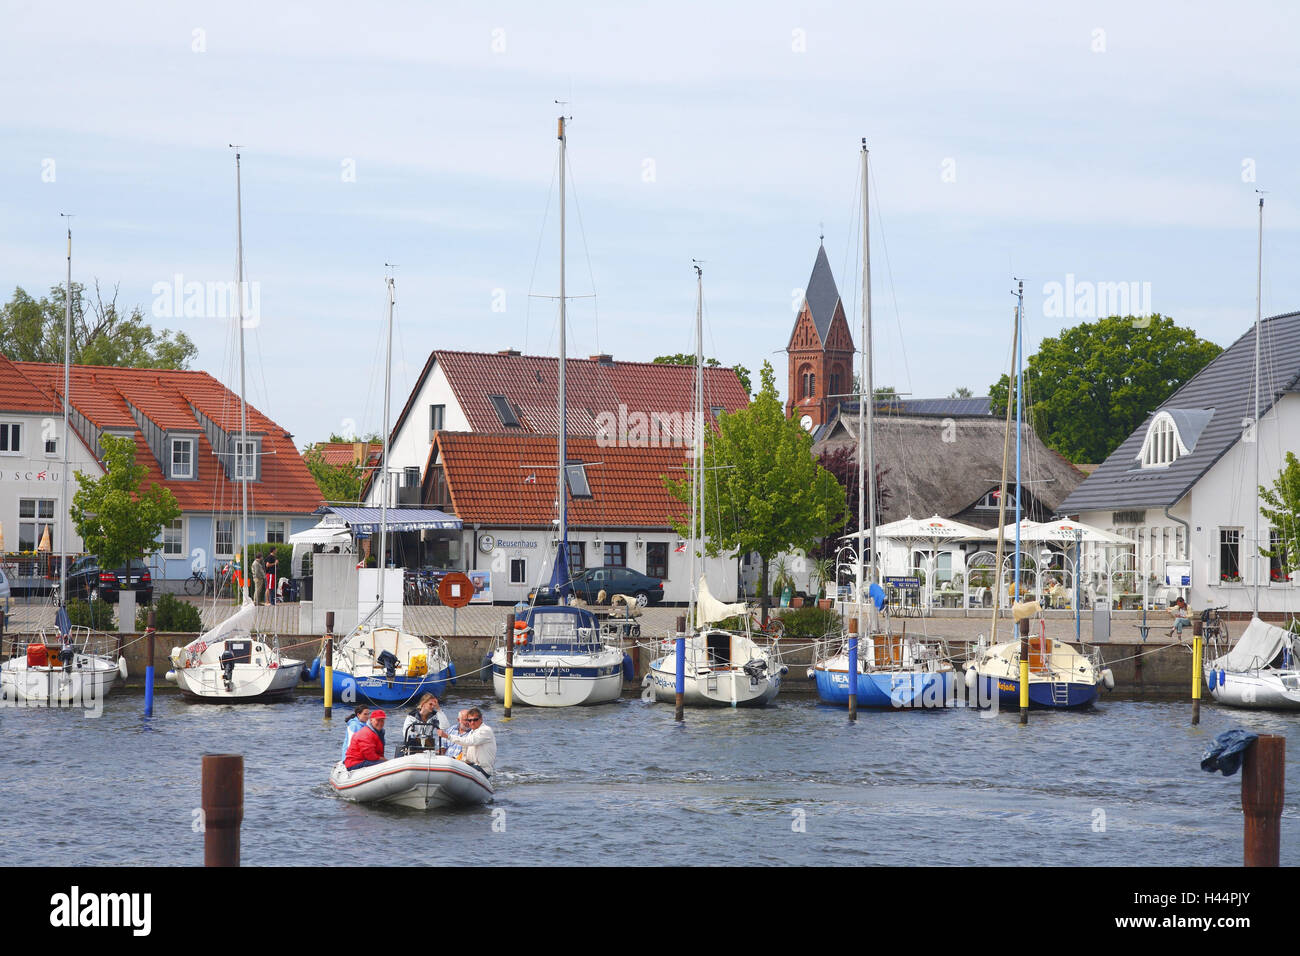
(259, 580)
(271, 579)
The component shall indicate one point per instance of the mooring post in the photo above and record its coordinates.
(510, 663)
(1197, 679)
(681, 668)
(853, 668)
(223, 808)
(1263, 789)
(329, 665)
(1024, 670)
(148, 668)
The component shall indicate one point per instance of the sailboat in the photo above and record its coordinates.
(720, 668)
(75, 667)
(229, 664)
(1260, 671)
(560, 660)
(1059, 675)
(893, 671)
(379, 662)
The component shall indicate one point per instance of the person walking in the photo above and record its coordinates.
(259, 580)
(271, 581)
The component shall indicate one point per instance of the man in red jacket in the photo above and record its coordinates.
(367, 746)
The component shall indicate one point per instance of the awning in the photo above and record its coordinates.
(399, 519)
(323, 533)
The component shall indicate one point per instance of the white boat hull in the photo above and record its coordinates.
(716, 687)
(424, 781)
(543, 680)
(1264, 689)
(89, 678)
(249, 682)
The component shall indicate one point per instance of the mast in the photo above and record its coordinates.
(383, 486)
(562, 555)
(1259, 284)
(67, 380)
(697, 458)
(866, 394)
(1002, 500)
(240, 470)
(1020, 383)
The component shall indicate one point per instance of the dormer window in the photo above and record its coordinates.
(1163, 445)
(182, 458)
(245, 459)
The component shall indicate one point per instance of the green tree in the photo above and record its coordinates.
(961, 392)
(761, 474)
(31, 330)
(336, 482)
(1281, 506)
(117, 520)
(681, 358)
(1089, 388)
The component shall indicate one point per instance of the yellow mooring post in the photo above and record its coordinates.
(1024, 670)
(329, 663)
(510, 662)
(1197, 680)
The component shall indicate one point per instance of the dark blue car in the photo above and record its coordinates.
(589, 584)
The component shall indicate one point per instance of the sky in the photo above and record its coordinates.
(1065, 143)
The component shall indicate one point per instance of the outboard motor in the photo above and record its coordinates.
(756, 670)
(228, 667)
(388, 661)
(66, 654)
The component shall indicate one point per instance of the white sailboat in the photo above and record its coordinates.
(1260, 671)
(560, 660)
(228, 663)
(878, 670)
(720, 668)
(74, 667)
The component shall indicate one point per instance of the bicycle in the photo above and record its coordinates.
(197, 582)
(1214, 628)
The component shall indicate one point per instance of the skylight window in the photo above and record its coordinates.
(576, 473)
(504, 411)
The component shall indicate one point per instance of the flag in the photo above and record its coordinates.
(531, 479)
(680, 548)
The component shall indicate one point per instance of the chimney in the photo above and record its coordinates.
(514, 352)
(604, 358)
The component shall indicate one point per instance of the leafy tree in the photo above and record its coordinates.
(1281, 506)
(681, 358)
(961, 392)
(761, 472)
(32, 331)
(117, 521)
(1094, 384)
(336, 482)
(886, 393)
(842, 462)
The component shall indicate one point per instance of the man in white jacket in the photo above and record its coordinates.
(479, 742)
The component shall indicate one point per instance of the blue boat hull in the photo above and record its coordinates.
(884, 689)
(1062, 695)
(377, 690)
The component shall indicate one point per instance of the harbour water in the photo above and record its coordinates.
(1119, 785)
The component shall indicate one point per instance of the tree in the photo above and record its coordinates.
(681, 358)
(843, 464)
(1281, 506)
(117, 521)
(32, 331)
(336, 482)
(1089, 388)
(962, 392)
(761, 472)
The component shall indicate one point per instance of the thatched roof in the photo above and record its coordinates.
(944, 466)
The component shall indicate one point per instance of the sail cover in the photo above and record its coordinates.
(1259, 645)
(709, 610)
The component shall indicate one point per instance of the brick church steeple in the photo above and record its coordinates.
(820, 351)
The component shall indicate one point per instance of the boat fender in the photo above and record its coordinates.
(812, 673)
(487, 663)
(627, 668)
(1108, 678)
(312, 670)
(972, 678)
(1223, 676)
(170, 675)
(121, 667)
(784, 670)
(451, 670)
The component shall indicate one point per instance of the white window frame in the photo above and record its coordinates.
(216, 537)
(437, 418)
(39, 521)
(522, 565)
(245, 452)
(1163, 445)
(177, 526)
(283, 532)
(51, 452)
(190, 471)
(7, 429)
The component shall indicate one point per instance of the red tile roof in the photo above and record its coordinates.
(486, 476)
(337, 453)
(166, 397)
(19, 394)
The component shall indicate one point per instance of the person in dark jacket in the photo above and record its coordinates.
(272, 581)
(367, 746)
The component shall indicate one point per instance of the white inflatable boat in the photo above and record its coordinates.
(422, 781)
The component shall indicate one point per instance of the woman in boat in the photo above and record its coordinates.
(367, 746)
(423, 723)
(360, 714)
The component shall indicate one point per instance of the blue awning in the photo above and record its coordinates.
(366, 520)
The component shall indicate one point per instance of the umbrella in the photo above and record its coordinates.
(1061, 531)
(932, 530)
(45, 545)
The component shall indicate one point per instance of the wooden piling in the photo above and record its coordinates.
(149, 633)
(329, 664)
(681, 669)
(223, 808)
(1263, 790)
(853, 669)
(510, 663)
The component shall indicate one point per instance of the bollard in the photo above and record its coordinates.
(148, 669)
(853, 669)
(510, 663)
(223, 808)
(1263, 790)
(1197, 680)
(329, 664)
(1024, 671)
(680, 659)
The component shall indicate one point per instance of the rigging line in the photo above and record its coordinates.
(591, 275)
(541, 235)
(893, 292)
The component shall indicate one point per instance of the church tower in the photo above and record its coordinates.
(820, 351)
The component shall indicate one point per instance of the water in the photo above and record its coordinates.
(622, 784)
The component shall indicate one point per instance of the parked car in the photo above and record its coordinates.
(588, 585)
(5, 593)
(87, 578)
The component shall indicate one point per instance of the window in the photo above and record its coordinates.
(245, 459)
(835, 382)
(225, 537)
(576, 473)
(437, 413)
(51, 446)
(275, 531)
(518, 570)
(716, 411)
(1278, 560)
(990, 501)
(577, 555)
(35, 516)
(504, 411)
(11, 438)
(1162, 445)
(1229, 555)
(656, 559)
(615, 554)
(182, 457)
(809, 384)
(174, 539)
(411, 477)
